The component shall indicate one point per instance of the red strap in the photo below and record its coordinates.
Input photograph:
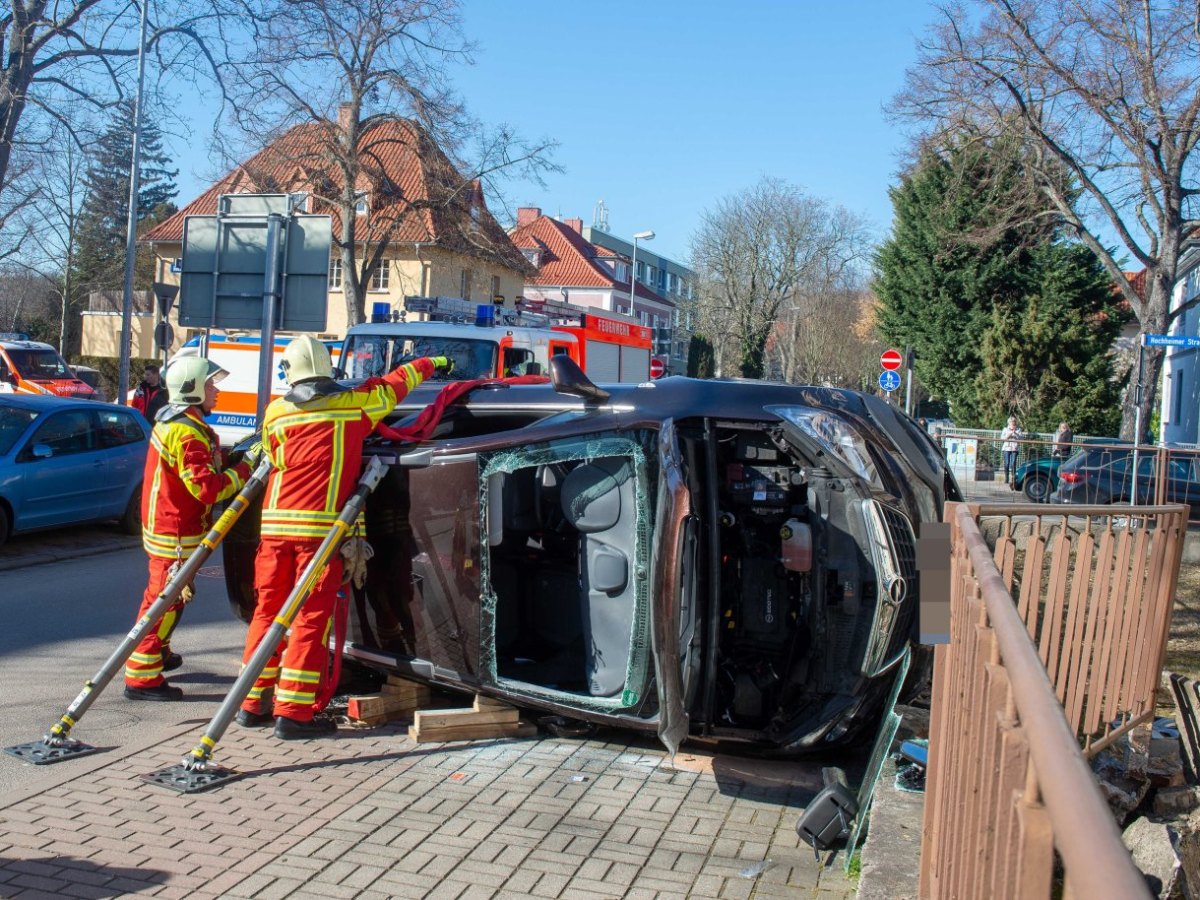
(429, 417)
(341, 612)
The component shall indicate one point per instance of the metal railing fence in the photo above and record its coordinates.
(1023, 682)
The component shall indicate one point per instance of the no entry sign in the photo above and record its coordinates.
(658, 368)
(890, 360)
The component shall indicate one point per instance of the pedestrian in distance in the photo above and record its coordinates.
(314, 437)
(184, 477)
(1010, 435)
(1062, 440)
(150, 395)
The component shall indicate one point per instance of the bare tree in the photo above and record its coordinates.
(755, 250)
(344, 86)
(1108, 90)
(826, 336)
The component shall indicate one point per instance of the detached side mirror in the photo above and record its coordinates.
(568, 378)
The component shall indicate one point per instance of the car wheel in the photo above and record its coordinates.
(5, 523)
(131, 519)
(1037, 488)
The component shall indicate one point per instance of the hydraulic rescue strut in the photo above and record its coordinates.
(58, 745)
(196, 773)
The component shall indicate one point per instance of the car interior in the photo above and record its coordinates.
(562, 565)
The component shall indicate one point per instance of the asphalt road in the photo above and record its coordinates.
(62, 620)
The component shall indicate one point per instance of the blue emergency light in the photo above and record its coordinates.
(381, 312)
(485, 315)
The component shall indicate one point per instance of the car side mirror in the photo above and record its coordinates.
(533, 368)
(41, 451)
(568, 378)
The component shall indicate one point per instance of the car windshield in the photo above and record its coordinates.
(39, 364)
(372, 355)
(13, 422)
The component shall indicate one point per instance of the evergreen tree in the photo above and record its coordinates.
(1005, 316)
(100, 256)
(701, 360)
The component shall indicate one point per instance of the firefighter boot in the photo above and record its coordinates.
(294, 730)
(161, 692)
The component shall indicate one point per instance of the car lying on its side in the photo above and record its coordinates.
(1098, 475)
(65, 462)
(728, 559)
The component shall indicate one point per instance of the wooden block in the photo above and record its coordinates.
(458, 718)
(484, 703)
(366, 706)
(406, 690)
(471, 732)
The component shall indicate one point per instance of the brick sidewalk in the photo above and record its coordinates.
(370, 814)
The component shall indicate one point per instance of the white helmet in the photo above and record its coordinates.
(187, 377)
(306, 357)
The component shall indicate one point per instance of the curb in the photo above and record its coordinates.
(25, 559)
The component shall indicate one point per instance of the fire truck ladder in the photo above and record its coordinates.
(196, 772)
(57, 745)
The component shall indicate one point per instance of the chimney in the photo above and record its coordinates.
(526, 215)
(575, 225)
(344, 116)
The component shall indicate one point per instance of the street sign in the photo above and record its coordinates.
(1169, 340)
(889, 380)
(225, 266)
(890, 360)
(658, 368)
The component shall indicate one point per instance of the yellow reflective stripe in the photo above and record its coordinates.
(302, 697)
(287, 419)
(143, 674)
(336, 466)
(145, 658)
(302, 514)
(316, 531)
(302, 675)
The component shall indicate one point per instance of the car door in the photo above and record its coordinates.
(122, 441)
(62, 467)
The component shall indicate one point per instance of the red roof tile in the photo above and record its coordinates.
(413, 191)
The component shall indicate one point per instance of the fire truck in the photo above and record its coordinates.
(491, 341)
(31, 367)
(486, 341)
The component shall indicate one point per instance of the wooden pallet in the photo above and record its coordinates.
(397, 699)
(486, 718)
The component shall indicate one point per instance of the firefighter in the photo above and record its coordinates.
(314, 437)
(151, 395)
(184, 477)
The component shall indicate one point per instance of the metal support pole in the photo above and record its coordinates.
(131, 224)
(633, 278)
(57, 745)
(908, 373)
(1137, 424)
(266, 353)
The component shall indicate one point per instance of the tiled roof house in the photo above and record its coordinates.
(442, 238)
(570, 267)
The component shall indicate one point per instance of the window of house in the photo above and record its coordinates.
(360, 204)
(335, 273)
(641, 271)
(381, 280)
(496, 287)
(464, 284)
(300, 201)
(533, 255)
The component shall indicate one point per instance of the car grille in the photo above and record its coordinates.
(894, 553)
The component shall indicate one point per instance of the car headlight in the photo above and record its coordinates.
(834, 434)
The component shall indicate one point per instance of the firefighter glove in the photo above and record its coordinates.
(443, 364)
(254, 455)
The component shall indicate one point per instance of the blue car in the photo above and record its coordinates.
(64, 462)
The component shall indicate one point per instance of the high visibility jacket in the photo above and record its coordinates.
(184, 478)
(315, 441)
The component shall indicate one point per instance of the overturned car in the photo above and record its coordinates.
(727, 559)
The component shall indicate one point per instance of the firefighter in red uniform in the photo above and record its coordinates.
(184, 478)
(314, 436)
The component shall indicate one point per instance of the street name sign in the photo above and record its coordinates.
(1169, 340)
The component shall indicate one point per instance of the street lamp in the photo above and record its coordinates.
(640, 236)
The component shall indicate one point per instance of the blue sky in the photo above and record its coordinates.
(663, 107)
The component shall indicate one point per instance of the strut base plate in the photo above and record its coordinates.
(190, 781)
(41, 753)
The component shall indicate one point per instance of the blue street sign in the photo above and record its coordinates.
(889, 380)
(1169, 340)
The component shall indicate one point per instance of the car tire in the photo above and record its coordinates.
(1037, 488)
(131, 519)
(5, 524)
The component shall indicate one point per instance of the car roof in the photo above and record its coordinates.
(44, 403)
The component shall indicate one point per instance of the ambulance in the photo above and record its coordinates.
(31, 367)
(487, 341)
